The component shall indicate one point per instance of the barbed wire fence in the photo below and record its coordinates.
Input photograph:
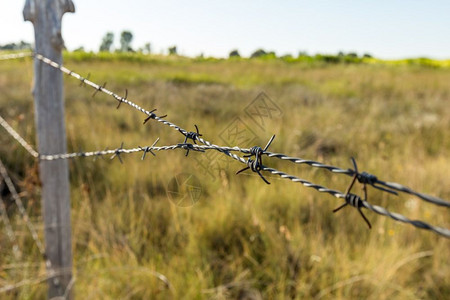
(251, 158)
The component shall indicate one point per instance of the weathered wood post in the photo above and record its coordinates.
(46, 17)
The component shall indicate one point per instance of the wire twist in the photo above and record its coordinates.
(190, 135)
(355, 200)
(256, 164)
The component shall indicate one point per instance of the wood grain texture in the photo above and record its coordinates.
(48, 94)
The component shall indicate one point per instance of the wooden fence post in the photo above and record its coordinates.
(46, 16)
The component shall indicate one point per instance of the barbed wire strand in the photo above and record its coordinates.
(120, 99)
(400, 218)
(118, 151)
(186, 146)
(104, 90)
(226, 150)
(26, 219)
(349, 172)
(151, 115)
(9, 230)
(18, 138)
(15, 55)
(374, 208)
(146, 149)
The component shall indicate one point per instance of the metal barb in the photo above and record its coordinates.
(352, 199)
(190, 135)
(99, 154)
(117, 153)
(188, 147)
(151, 115)
(82, 79)
(255, 165)
(367, 178)
(148, 149)
(99, 89)
(122, 99)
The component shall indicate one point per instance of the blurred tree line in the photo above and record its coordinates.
(341, 57)
(16, 46)
(126, 38)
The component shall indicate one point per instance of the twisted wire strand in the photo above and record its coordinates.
(374, 208)
(304, 182)
(392, 185)
(200, 148)
(25, 217)
(400, 218)
(225, 150)
(118, 151)
(228, 151)
(120, 99)
(18, 138)
(401, 188)
(15, 55)
(104, 90)
(312, 163)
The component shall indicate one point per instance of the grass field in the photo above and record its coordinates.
(243, 239)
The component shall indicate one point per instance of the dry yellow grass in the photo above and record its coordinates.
(242, 238)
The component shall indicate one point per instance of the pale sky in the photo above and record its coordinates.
(384, 28)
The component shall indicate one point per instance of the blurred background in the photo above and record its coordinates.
(330, 80)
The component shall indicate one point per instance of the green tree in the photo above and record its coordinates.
(234, 53)
(173, 50)
(16, 46)
(107, 42)
(125, 40)
(258, 53)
